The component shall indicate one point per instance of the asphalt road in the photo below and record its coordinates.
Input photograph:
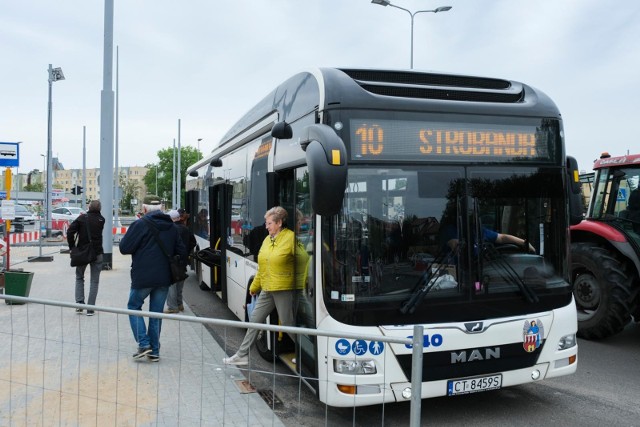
(604, 392)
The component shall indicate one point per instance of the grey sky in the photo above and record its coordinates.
(207, 62)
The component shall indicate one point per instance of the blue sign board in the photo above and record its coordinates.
(9, 154)
(622, 195)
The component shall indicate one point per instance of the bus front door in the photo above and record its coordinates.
(220, 220)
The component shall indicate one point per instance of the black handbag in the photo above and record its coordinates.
(83, 255)
(178, 271)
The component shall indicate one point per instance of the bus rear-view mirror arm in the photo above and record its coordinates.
(327, 161)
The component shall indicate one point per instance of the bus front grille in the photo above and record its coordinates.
(439, 365)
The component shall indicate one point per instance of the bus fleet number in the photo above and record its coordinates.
(428, 341)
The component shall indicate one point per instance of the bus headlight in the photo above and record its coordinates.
(354, 367)
(567, 341)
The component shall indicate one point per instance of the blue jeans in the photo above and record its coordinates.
(151, 337)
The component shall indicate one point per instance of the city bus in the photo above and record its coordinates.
(379, 171)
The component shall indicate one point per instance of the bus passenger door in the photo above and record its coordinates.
(305, 306)
(220, 220)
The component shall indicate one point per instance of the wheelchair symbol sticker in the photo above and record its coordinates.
(359, 347)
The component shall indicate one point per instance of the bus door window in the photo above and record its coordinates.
(254, 230)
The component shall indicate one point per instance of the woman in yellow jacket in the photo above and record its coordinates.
(275, 280)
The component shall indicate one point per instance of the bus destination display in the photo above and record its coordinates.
(410, 140)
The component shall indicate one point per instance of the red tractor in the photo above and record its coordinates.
(605, 249)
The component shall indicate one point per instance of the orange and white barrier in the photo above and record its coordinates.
(28, 236)
(119, 230)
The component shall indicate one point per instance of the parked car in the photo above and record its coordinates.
(66, 213)
(24, 215)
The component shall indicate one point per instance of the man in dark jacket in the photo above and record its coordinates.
(150, 271)
(174, 297)
(89, 224)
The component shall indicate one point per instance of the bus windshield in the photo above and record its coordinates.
(421, 244)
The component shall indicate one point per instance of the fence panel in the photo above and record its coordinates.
(63, 369)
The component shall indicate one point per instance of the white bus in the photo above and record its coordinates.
(381, 170)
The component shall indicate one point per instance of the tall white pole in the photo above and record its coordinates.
(173, 181)
(116, 181)
(179, 172)
(84, 167)
(49, 160)
(106, 137)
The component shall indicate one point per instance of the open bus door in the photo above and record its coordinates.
(220, 224)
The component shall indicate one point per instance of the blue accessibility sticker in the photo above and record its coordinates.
(376, 347)
(359, 347)
(343, 347)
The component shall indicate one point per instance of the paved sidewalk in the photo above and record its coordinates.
(60, 368)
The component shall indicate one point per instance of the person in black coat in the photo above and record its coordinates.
(89, 224)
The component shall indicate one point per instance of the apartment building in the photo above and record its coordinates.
(67, 179)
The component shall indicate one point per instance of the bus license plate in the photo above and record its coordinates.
(474, 385)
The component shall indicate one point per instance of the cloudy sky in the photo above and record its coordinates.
(206, 62)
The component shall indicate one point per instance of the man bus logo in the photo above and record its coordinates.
(474, 327)
(532, 335)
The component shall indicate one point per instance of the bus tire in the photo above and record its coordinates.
(262, 345)
(602, 290)
(267, 341)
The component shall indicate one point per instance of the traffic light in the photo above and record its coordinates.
(77, 190)
(73, 190)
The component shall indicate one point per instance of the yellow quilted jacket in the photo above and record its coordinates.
(276, 263)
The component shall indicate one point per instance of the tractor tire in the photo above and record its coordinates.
(603, 291)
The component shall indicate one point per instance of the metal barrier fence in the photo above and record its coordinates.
(60, 369)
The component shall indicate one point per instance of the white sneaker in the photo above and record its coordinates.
(236, 360)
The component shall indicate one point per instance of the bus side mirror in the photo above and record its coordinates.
(327, 161)
(282, 130)
(574, 188)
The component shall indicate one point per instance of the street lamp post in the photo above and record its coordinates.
(412, 14)
(44, 188)
(55, 74)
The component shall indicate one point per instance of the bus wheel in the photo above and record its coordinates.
(265, 344)
(602, 290)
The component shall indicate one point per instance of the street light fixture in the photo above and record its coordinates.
(55, 74)
(412, 14)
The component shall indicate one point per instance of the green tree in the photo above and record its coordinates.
(130, 190)
(164, 170)
(35, 187)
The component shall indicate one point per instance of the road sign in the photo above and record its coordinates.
(9, 154)
(8, 209)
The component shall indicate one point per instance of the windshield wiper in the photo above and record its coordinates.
(508, 273)
(426, 282)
